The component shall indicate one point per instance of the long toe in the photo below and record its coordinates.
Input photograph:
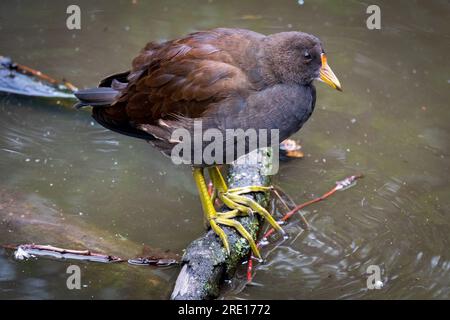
(255, 207)
(243, 232)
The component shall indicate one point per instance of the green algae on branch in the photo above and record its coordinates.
(206, 263)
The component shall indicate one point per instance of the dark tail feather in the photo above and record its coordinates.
(123, 128)
(95, 97)
(105, 95)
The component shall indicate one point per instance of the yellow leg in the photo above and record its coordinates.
(233, 205)
(215, 218)
(228, 215)
(257, 208)
(250, 189)
(208, 207)
(233, 199)
(238, 226)
(217, 179)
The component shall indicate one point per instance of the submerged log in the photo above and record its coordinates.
(30, 219)
(205, 262)
(22, 80)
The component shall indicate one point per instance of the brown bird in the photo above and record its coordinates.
(227, 79)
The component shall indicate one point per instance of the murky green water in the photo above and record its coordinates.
(390, 123)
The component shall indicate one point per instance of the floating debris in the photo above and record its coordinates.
(153, 261)
(290, 149)
(21, 254)
(378, 284)
(26, 251)
(19, 79)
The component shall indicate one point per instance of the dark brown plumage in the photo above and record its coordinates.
(230, 78)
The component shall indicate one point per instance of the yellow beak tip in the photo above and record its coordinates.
(327, 75)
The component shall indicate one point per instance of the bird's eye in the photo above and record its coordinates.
(307, 56)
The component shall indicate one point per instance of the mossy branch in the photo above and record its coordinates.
(205, 263)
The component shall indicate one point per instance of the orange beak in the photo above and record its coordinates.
(327, 75)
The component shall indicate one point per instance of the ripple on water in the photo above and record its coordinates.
(390, 230)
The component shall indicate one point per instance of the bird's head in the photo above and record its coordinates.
(297, 57)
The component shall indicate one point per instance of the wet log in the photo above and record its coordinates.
(205, 263)
(29, 219)
(22, 80)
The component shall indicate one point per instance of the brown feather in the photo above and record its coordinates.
(229, 78)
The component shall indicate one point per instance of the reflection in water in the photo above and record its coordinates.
(391, 123)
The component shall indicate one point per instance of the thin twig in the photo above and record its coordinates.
(25, 251)
(340, 185)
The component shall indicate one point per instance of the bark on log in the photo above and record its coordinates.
(205, 263)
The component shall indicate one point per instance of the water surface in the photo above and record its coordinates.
(391, 123)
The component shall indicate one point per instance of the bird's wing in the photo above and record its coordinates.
(185, 78)
(276, 112)
(182, 77)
